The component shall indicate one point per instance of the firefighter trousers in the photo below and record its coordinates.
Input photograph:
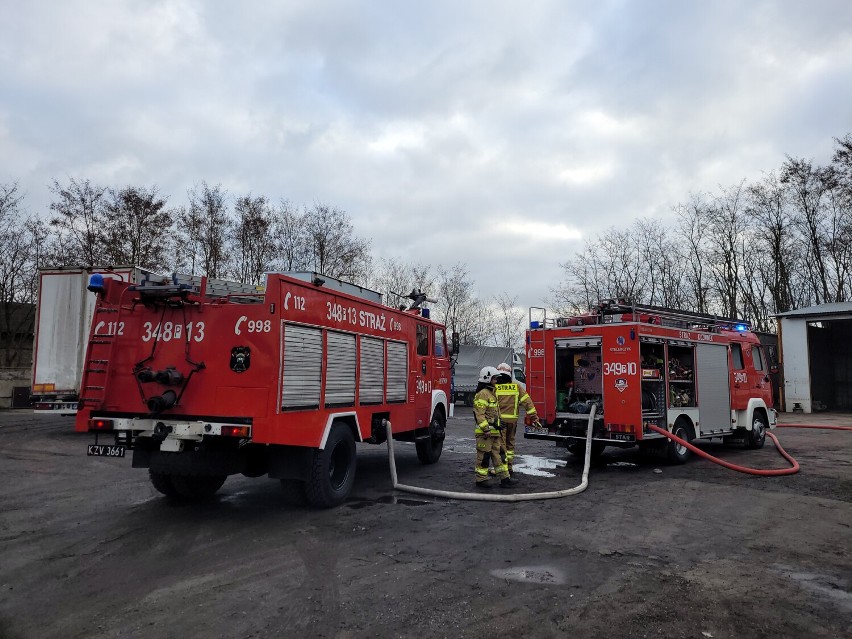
(507, 441)
(488, 452)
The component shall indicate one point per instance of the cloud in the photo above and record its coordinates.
(450, 132)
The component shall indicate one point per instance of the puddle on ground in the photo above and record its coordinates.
(388, 499)
(822, 584)
(537, 466)
(532, 574)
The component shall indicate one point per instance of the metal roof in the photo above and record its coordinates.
(822, 310)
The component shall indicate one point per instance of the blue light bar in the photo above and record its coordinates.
(741, 327)
(535, 324)
(424, 312)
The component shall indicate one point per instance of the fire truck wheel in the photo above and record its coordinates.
(294, 492)
(756, 437)
(678, 453)
(197, 487)
(163, 484)
(429, 450)
(332, 471)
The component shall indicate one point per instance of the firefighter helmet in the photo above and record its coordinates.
(504, 369)
(487, 374)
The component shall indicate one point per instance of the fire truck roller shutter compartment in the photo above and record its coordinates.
(397, 371)
(372, 367)
(340, 377)
(714, 394)
(302, 376)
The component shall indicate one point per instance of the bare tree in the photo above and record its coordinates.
(392, 277)
(808, 187)
(727, 226)
(253, 241)
(79, 217)
(459, 309)
(333, 249)
(138, 228)
(769, 213)
(509, 322)
(23, 247)
(693, 231)
(204, 226)
(290, 250)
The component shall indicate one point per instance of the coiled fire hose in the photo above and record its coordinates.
(503, 497)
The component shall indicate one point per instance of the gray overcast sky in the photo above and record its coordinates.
(449, 131)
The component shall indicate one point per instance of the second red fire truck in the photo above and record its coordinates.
(694, 375)
(281, 382)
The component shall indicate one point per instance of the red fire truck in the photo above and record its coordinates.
(282, 382)
(695, 375)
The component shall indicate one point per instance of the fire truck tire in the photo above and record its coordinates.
(678, 453)
(332, 471)
(163, 484)
(197, 487)
(578, 449)
(294, 492)
(429, 450)
(756, 437)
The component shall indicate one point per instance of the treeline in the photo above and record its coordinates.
(750, 250)
(223, 236)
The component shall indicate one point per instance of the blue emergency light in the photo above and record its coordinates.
(535, 325)
(741, 327)
(96, 283)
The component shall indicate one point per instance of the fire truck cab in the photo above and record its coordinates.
(280, 382)
(696, 375)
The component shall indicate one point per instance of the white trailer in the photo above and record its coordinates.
(470, 360)
(64, 313)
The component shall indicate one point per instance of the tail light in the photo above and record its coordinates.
(100, 424)
(236, 431)
(620, 428)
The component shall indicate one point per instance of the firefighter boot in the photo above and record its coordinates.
(508, 482)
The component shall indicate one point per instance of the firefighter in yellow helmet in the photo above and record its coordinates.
(487, 432)
(511, 394)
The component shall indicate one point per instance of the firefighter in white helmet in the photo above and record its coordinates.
(511, 394)
(487, 432)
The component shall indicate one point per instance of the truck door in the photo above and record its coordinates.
(759, 374)
(422, 382)
(740, 382)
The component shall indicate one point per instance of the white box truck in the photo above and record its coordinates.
(64, 311)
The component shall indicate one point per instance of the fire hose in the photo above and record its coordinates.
(741, 469)
(814, 426)
(753, 471)
(506, 497)
(772, 472)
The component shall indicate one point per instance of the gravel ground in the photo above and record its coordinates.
(89, 549)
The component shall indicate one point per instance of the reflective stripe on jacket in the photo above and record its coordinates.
(509, 397)
(486, 412)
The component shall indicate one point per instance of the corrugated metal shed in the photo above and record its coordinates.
(816, 355)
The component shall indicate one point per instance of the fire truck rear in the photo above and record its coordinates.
(280, 383)
(695, 375)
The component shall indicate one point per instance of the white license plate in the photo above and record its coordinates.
(536, 430)
(104, 450)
